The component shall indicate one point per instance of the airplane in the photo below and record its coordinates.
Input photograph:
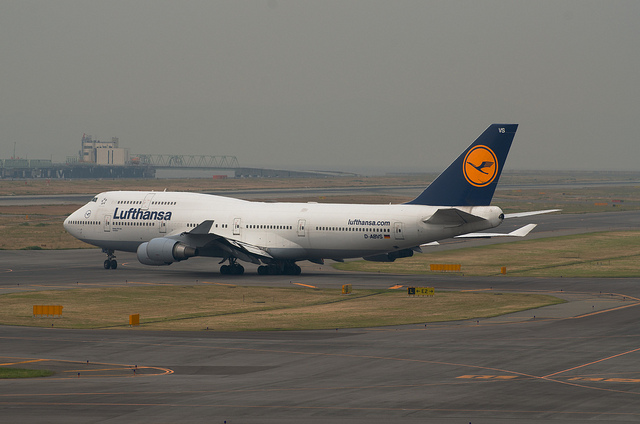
(166, 227)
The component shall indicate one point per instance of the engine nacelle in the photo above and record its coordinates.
(164, 251)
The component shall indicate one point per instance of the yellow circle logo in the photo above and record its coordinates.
(480, 166)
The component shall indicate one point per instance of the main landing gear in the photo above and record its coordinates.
(111, 262)
(234, 268)
(283, 268)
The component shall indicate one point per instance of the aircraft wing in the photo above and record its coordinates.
(239, 249)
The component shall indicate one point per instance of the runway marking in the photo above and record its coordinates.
(305, 285)
(124, 369)
(425, 361)
(489, 377)
(606, 380)
(605, 310)
(219, 284)
(476, 290)
(397, 286)
(22, 362)
(591, 363)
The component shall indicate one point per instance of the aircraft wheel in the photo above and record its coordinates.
(224, 270)
(114, 264)
(107, 264)
(263, 270)
(273, 270)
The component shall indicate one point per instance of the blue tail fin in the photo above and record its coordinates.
(472, 178)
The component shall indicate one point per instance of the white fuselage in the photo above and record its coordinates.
(122, 220)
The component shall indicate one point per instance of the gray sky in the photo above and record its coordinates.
(352, 85)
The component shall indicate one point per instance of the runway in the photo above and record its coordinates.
(572, 362)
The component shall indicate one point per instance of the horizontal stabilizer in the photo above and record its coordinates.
(520, 232)
(452, 218)
(523, 214)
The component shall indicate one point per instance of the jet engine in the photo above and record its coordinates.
(164, 251)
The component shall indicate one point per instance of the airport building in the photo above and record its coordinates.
(103, 152)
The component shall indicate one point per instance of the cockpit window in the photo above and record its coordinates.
(95, 199)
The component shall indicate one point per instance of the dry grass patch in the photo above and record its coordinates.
(36, 227)
(33, 187)
(236, 308)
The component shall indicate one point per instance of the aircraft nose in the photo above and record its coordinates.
(65, 224)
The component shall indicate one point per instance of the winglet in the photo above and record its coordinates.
(472, 178)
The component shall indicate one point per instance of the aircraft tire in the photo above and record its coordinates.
(291, 269)
(107, 264)
(224, 270)
(263, 270)
(114, 264)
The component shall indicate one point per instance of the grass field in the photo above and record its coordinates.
(12, 373)
(80, 186)
(239, 308)
(606, 254)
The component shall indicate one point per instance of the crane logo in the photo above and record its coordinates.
(480, 166)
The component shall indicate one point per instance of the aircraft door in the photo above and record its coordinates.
(398, 231)
(147, 201)
(107, 223)
(163, 227)
(236, 226)
(301, 224)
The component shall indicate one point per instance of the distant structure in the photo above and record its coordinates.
(103, 152)
(106, 159)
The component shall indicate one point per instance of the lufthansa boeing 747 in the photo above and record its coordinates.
(167, 227)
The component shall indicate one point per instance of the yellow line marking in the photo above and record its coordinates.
(306, 285)
(397, 286)
(606, 380)
(606, 310)
(591, 363)
(23, 362)
(488, 377)
(475, 290)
